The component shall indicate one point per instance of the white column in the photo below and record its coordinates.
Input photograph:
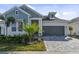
(40, 25)
(66, 30)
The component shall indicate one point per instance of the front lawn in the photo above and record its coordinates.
(39, 46)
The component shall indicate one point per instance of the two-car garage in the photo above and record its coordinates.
(53, 30)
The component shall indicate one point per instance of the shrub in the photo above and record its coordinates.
(31, 31)
(13, 39)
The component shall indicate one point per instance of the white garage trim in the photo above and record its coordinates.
(56, 23)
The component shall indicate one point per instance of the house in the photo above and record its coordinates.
(74, 23)
(22, 14)
(50, 25)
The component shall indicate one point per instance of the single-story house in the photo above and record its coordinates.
(74, 23)
(50, 24)
(22, 15)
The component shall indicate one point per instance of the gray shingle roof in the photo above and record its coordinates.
(46, 18)
(32, 12)
(74, 20)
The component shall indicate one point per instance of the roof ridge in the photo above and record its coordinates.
(31, 9)
(17, 8)
(75, 19)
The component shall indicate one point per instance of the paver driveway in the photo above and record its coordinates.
(59, 44)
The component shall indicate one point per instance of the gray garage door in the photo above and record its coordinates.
(53, 30)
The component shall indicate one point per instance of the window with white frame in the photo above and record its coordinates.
(13, 27)
(16, 11)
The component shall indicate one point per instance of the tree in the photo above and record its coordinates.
(70, 29)
(30, 31)
(10, 20)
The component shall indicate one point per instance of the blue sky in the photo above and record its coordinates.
(64, 11)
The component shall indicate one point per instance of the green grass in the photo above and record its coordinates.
(39, 46)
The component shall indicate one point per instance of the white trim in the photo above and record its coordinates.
(16, 12)
(24, 11)
(35, 18)
(66, 30)
(28, 20)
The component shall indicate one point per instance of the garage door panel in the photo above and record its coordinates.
(53, 30)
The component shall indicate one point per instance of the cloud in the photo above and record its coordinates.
(68, 15)
(2, 10)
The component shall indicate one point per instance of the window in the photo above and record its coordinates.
(20, 26)
(14, 27)
(52, 15)
(16, 12)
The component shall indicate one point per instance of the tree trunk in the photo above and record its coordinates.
(70, 33)
(30, 39)
(6, 30)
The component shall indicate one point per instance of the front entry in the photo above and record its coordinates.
(36, 22)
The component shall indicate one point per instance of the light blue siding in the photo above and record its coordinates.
(20, 15)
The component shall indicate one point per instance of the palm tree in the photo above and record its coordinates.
(70, 29)
(10, 20)
(30, 31)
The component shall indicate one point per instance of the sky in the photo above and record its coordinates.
(64, 11)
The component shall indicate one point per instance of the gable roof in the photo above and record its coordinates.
(16, 8)
(28, 9)
(62, 19)
(46, 18)
(74, 20)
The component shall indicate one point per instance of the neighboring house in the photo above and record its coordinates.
(74, 23)
(50, 25)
